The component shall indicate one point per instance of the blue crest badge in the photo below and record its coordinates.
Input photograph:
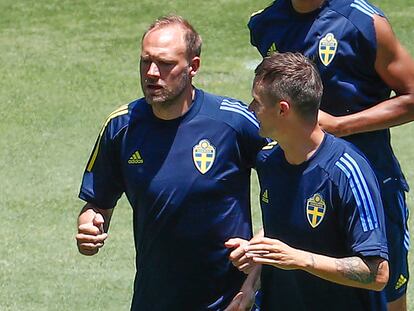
(315, 210)
(204, 154)
(327, 48)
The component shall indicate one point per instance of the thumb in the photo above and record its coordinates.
(98, 221)
(232, 243)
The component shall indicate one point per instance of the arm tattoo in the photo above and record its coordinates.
(354, 268)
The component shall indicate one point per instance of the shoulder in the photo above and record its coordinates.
(271, 150)
(121, 117)
(230, 111)
(345, 163)
(271, 11)
(260, 20)
(357, 185)
(359, 13)
(355, 10)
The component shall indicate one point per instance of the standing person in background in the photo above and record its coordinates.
(183, 158)
(360, 62)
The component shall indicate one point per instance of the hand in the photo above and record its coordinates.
(242, 301)
(275, 253)
(329, 123)
(237, 256)
(91, 235)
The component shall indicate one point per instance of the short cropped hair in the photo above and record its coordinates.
(294, 78)
(192, 38)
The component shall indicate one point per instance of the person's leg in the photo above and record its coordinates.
(396, 214)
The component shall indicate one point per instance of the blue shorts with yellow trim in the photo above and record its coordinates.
(396, 218)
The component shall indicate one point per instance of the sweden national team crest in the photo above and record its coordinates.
(204, 154)
(315, 210)
(327, 48)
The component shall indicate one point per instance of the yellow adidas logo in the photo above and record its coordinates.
(265, 196)
(135, 158)
(401, 281)
(272, 50)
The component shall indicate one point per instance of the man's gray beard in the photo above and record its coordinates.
(168, 99)
(164, 101)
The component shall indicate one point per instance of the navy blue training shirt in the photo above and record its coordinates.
(328, 205)
(188, 182)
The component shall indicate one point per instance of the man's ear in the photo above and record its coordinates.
(284, 108)
(194, 66)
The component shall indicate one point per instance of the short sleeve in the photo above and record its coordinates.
(102, 182)
(361, 207)
(258, 31)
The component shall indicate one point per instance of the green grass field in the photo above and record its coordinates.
(64, 66)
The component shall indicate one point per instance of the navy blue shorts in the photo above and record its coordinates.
(396, 219)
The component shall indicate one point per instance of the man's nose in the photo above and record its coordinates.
(153, 70)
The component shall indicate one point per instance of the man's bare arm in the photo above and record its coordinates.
(368, 272)
(395, 66)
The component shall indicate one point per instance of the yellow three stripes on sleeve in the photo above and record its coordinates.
(119, 112)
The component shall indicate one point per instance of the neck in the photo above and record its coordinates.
(306, 6)
(301, 144)
(176, 108)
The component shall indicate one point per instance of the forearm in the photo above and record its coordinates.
(392, 112)
(253, 278)
(350, 271)
(244, 299)
(369, 272)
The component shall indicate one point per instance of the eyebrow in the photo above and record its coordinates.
(158, 58)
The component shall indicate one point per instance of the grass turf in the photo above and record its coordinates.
(65, 65)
